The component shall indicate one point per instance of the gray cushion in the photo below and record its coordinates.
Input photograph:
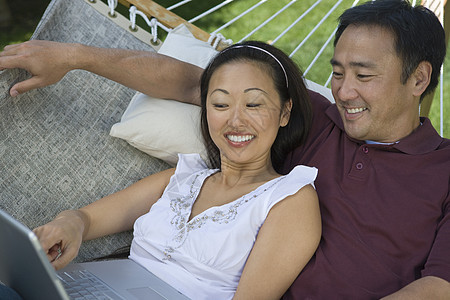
(55, 151)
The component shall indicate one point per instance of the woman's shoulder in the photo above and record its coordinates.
(301, 175)
(291, 183)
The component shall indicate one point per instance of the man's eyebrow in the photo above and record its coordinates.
(334, 62)
(361, 64)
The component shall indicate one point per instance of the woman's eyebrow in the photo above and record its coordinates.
(220, 90)
(255, 89)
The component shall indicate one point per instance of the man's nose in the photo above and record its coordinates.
(346, 89)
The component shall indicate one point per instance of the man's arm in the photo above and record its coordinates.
(428, 287)
(150, 73)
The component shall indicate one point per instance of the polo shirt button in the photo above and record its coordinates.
(359, 166)
(365, 149)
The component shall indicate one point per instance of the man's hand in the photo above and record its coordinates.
(153, 74)
(46, 61)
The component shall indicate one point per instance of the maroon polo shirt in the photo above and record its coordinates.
(385, 210)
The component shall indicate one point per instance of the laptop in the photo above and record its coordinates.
(25, 268)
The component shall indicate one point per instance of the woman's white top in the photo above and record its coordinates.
(204, 258)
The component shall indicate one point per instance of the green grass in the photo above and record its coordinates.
(26, 14)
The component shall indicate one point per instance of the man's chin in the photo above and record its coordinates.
(354, 131)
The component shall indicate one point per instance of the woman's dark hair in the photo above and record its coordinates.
(419, 35)
(289, 84)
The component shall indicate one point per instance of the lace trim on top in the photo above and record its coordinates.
(182, 207)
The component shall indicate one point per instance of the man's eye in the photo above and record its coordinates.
(337, 74)
(364, 76)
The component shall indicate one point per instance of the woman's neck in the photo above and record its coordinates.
(242, 174)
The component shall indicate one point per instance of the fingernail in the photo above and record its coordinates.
(14, 93)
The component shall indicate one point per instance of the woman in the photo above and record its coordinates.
(233, 229)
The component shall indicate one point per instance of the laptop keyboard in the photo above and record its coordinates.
(84, 285)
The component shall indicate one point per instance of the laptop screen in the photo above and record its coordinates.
(24, 265)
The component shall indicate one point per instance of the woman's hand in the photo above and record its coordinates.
(61, 238)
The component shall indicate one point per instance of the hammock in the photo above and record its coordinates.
(56, 151)
(307, 36)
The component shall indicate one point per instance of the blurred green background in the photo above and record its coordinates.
(25, 14)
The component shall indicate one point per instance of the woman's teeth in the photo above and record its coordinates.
(240, 138)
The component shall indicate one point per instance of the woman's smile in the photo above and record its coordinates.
(239, 140)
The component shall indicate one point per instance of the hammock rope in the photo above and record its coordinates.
(216, 38)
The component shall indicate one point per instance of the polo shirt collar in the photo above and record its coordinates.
(423, 139)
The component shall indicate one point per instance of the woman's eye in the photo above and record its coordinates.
(253, 105)
(220, 105)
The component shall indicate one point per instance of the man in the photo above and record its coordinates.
(374, 153)
(383, 173)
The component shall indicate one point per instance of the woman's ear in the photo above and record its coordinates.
(286, 113)
(421, 78)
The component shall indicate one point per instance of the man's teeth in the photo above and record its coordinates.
(355, 110)
(240, 138)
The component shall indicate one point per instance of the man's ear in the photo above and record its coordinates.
(421, 78)
(286, 113)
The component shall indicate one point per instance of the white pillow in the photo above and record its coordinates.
(324, 91)
(182, 45)
(164, 128)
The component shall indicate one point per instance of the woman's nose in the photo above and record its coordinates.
(237, 116)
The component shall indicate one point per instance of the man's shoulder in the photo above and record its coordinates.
(320, 105)
(318, 100)
(430, 134)
(445, 144)
(444, 147)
